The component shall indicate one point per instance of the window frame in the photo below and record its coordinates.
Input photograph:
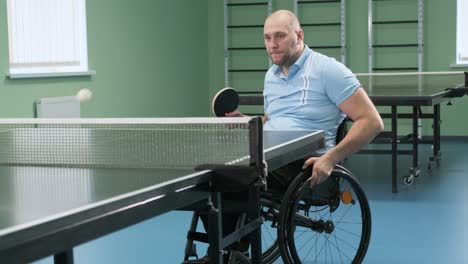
(53, 64)
(461, 39)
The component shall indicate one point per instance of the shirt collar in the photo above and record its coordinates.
(299, 62)
(305, 54)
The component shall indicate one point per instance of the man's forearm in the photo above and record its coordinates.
(359, 135)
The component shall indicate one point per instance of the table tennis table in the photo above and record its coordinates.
(411, 89)
(66, 182)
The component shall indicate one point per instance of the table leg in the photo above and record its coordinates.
(436, 155)
(415, 170)
(255, 236)
(437, 136)
(394, 148)
(65, 257)
(215, 233)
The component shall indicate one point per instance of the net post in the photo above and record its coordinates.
(256, 147)
(256, 141)
(256, 160)
(466, 79)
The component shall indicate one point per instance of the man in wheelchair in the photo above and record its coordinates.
(306, 90)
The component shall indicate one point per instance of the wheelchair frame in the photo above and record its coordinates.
(286, 218)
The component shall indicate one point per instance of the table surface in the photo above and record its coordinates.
(35, 199)
(414, 89)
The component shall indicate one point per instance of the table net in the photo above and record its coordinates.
(126, 143)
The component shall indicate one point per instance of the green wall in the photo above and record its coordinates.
(165, 58)
(439, 44)
(150, 58)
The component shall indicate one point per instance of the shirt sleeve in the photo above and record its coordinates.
(339, 82)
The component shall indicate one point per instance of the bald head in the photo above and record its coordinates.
(284, 17)
(284, 38)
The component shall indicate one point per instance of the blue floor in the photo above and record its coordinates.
(422, 223)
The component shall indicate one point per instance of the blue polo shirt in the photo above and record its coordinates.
(308, 98)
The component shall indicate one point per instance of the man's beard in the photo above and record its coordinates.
(286, 60)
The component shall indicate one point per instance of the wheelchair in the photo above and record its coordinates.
(325, 223)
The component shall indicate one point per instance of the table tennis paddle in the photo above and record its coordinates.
(225, 101)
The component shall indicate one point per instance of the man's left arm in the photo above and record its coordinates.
(367, 123)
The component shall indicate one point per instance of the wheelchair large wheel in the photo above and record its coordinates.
(326, 223)
(270, 212)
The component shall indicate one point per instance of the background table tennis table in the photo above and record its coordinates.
(48, 210)
(396, 90)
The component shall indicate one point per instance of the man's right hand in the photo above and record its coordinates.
(235, 113)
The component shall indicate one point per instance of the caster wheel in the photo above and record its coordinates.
(408, 180)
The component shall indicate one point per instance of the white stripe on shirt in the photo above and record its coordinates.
(306, 80)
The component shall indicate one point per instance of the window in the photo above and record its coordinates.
(462, 32)
(47, 38)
